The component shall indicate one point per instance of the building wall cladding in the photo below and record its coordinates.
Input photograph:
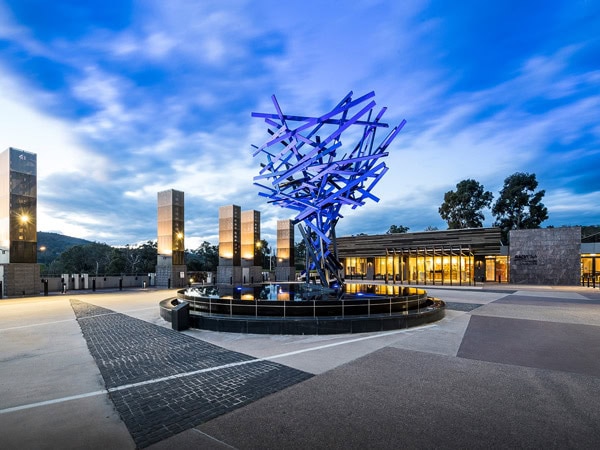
(546, 256)
(229, 274)
(170, 275)
(21, 279)
(482, 241)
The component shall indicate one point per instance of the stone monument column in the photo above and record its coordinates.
(286, 268)
(229, 270)
(171, 271)
(19, 270)
(250, 255)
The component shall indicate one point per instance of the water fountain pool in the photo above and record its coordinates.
(300, 308)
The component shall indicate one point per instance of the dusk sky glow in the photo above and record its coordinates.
(121, 100)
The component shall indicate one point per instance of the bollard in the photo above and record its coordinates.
(180, 316)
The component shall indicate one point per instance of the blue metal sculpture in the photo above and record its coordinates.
(305, 168)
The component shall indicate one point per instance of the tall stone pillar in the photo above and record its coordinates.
(286, 268)
(250, 254)
(170, 266)
(229, 270)
(20, 274)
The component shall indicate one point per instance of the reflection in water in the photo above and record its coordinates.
(300, 292)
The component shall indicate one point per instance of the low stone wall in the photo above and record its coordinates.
(55, 284)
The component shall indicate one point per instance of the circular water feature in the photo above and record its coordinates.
(300, 308)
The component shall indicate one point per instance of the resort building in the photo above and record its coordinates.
(552, 256)
(430, 257)
(590, 260)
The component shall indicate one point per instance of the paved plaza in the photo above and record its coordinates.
(508, 367)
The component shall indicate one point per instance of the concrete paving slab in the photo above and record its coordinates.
(465, 296)
(376, 392)
(533, 343)
(550, 294)
(37, 358)
(576, 314)
(191, 440)
(592, 294)
(403, 399)
(88, 423)
(443, 339)
(312, 354)
(517, 299)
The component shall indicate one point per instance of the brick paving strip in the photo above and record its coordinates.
(163, 382)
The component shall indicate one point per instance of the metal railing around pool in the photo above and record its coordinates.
(309, 308)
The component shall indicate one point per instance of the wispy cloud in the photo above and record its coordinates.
(158, 95)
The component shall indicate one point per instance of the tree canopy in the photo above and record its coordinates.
(519, 206)
(463, 208)
(102, 259)
(397, 229)
(204, 258)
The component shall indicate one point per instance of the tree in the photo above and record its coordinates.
(117, 262)
(462, 208)
(397, 229)
(86, 258)
(265, 253)
(148, 253)
(300, 254)
(519, 206)
(431, 228)
(204, 258)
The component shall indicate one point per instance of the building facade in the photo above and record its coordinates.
(590, 260)
(19, 271)
(549, 256)
(453, 257)
(170, 266)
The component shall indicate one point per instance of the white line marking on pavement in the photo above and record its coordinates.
(52, 402)
(213, 438)
(208, 369)
(74, 319)
(36, 325)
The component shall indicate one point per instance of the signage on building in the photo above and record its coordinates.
(525, 260)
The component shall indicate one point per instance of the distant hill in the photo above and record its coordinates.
(55, 244)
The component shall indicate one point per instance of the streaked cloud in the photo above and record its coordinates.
(125, 100)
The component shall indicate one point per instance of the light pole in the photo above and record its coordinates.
(43, 252)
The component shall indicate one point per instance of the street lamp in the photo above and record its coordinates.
(42, 250)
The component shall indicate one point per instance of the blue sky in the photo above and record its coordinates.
(123, 99)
